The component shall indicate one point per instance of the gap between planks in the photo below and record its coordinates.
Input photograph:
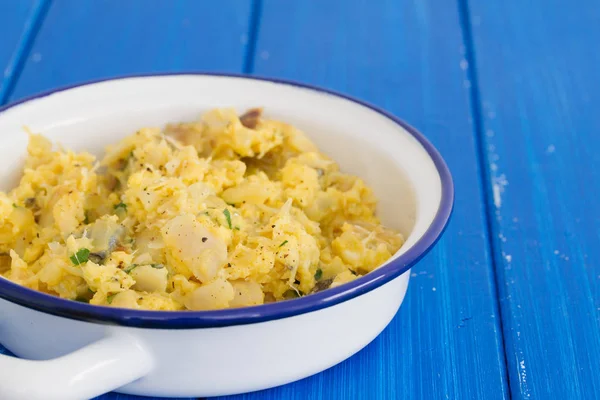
(487, 195)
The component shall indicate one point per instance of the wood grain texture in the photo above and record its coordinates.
(405, 56)
(18, 25)
(539, 89)
(82, 40)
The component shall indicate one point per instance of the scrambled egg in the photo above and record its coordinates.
(227, 211)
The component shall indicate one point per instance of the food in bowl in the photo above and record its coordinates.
(160, 353)
(227, 211)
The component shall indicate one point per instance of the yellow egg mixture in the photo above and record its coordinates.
(227, 211)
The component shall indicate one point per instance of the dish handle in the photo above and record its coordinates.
(95, 369)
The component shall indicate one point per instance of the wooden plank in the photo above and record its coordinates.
(18, 25)
(539, 90)
(448, 326)
(83, 40)
(407, 57)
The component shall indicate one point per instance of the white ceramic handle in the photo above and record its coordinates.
(88, 372)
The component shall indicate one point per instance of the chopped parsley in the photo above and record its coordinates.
(227, 217)
(284, 243)
(110, 297)
(15, 206)
(131, 268)
(80, 257)
(318, 274)
(134, 266)
(86, 217)
(121, 205)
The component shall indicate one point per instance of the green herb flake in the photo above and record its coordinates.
(86, 217)
(284, 243)
(131, 268)
(80, 257)
(157, 266)
(121, 205)
(228, 217)
(15, 206)
(236, 228)
(318, 274)
(110, 297)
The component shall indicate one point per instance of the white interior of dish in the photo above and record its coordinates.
(364, 142)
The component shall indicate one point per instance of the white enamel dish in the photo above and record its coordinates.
(89, 350)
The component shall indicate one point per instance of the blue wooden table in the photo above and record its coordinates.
(508, 304)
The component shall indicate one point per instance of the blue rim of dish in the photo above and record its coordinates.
(239, 316)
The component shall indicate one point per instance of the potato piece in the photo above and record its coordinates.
(246, 294)
(210, 296)
(150, 242)
(126, 299)
(195, 246)
(256, 189)
(20, 273)
(342, 278)
(150, 278)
